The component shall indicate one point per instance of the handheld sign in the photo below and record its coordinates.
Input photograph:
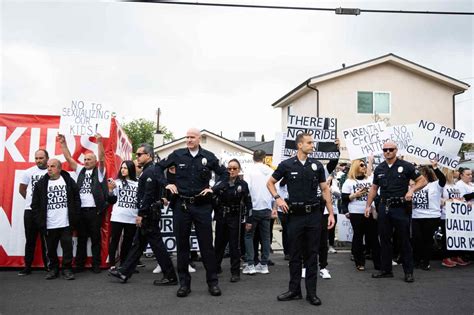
(402, 135)
(432, 141)
(364, 140)
(82, 118)
(459, 225)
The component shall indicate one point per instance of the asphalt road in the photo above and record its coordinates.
(439, 291)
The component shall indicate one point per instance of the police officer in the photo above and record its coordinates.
(149, 194)
(233, 201)
(304, 175)
(193, 172)
(394, 211)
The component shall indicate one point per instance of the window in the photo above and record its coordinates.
(373, 102)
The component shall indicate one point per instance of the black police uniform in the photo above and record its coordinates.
(192, 176)
(233, 202)
(148, 192)
(394, 211)
(304, 218)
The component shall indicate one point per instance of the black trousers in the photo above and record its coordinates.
(423, 231)
(228, 231)
(323, 242)
(116, 232)
(200, 215)
(31, 234)
(53, 238)
(284, 233)
(150, 233)
(304, 232)
(332, 232)
(89, 225)
(399, 219)
(367, 227)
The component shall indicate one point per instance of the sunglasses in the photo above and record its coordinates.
(388, 149)
(138, 154)
(232, 168)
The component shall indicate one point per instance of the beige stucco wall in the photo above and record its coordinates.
(413, 97)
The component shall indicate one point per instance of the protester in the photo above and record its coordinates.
(257, 176)
(123, 195)
(56, 204)
(304, 175)
(93, 192)
(354, 197)
(465, 185)
(194, 166)
(233, 202)
(393, 176)
(27, 184)
(426, 214)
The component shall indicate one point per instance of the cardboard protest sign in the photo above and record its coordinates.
(323, 131)
(459, 225)
(402, 135)
(278, 148)
(432, 141)
(364, 140)
(82, 118)
(344, 229)
(245, 159)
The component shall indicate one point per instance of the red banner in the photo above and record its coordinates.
(20, 137)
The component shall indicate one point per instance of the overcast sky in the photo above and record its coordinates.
(213, 68)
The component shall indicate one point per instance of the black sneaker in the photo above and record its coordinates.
(24, 272)
(51, 275)
(68, 275)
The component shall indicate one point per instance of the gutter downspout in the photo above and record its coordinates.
(454, 108)
(317, 97)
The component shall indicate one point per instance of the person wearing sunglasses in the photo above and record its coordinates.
(304, 175)
(232, 203)
(354, 196)
(194, 167)
(394, 211)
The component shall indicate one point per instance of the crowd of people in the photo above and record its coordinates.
(395, 209)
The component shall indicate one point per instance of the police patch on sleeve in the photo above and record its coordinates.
(204, 161)
(148, 180)
(314, 166)
(400, 169)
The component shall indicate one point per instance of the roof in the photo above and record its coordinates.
(207, 133)
(258, 145)
(456, 85)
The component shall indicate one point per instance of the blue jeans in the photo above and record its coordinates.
(259, 218)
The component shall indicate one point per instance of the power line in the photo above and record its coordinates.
(341, 11)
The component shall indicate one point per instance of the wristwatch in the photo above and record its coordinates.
(276, 197)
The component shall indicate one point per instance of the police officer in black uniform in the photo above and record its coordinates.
(149, 195)
(194, 167)
(304, 175)
(394, 210)
(232, 203)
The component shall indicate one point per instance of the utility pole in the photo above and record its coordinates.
(158, 113)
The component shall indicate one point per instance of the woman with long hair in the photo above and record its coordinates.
(426, 205)
(354, 195)
(233, 199)
(123, 195)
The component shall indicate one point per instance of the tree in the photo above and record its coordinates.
(142, 130)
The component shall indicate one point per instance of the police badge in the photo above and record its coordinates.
(400, 169)
(314, 166)
(204, 161)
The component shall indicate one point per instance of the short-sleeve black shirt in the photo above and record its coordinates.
(302, 180)
(393, 181)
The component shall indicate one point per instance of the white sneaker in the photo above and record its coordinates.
(394, 263)
(332, 250)
(191, 269)
(249, 270)
(261, 269)
(157, 269)
(303, 273)
(324, 273)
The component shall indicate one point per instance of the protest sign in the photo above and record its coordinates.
(402, 135)
(459, 225)
(344, 229)
(323, 131)
(432, 141)
(245, 159)
(364, 140)
(82, 118)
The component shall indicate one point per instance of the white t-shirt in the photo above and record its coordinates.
(351, 186)
(56, 208)
(125, 209)
(30, 177)
(85, 191)
(427, 202)
(256, 176)
(464, 188)
(449, 192)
